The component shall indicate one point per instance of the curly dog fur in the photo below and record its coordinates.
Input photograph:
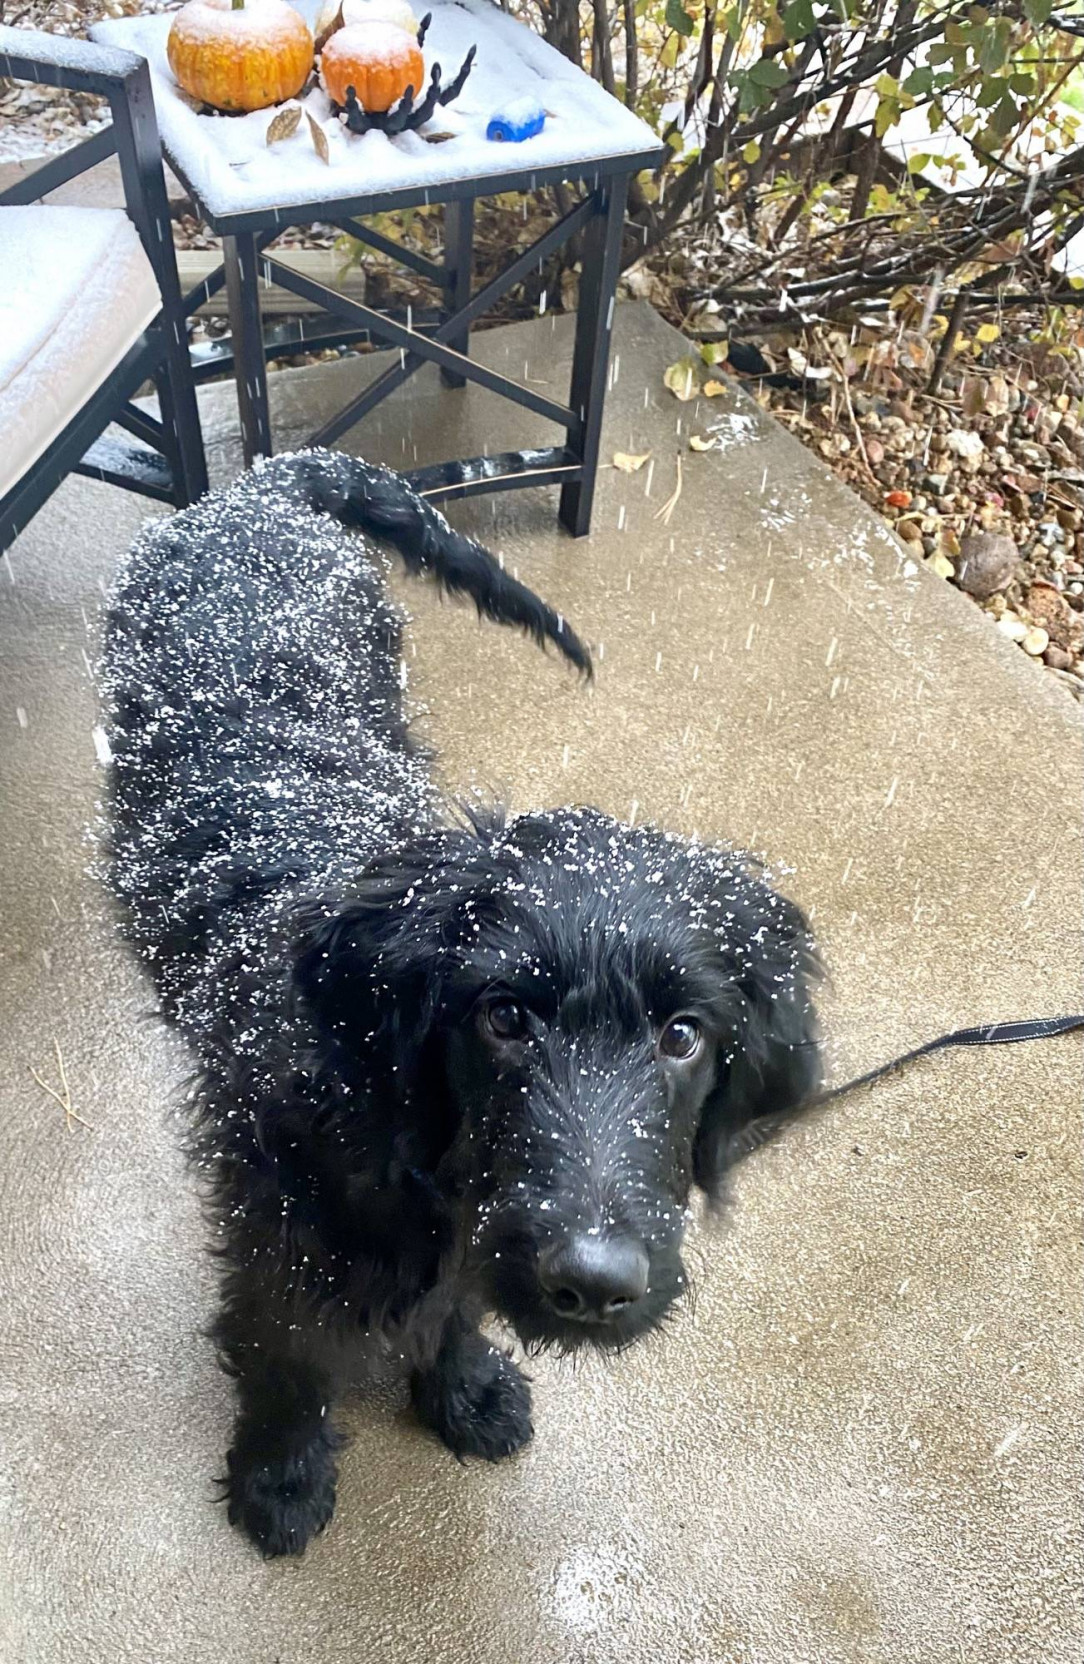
(445, 1068)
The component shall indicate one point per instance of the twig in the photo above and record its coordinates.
(853, 419)
(667, 509)
(948, 340)
(64, 1096)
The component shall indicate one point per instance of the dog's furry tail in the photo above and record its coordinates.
(378, 500)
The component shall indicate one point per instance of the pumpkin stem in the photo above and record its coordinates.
(237, 5)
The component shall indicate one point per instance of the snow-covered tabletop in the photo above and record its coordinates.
(228, 165)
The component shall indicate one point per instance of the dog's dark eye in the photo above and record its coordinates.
(505, 1019)
(680, 1039)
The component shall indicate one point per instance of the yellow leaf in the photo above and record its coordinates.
(629, 464)
(697, 442)
(683, 379)
(712, 389)
(987, 333)
(751, 152)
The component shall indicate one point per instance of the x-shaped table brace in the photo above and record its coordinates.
(573, 465)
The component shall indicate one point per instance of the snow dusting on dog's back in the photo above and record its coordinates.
(252, 679)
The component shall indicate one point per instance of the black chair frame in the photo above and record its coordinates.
(168, 463)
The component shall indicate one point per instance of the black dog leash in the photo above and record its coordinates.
(989, 1034)
(766, 1128)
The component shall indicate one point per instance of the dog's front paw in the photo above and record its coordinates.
(281, 1499)
(476, 1400)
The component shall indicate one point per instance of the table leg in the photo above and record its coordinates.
(246, 335)
(591, 355)
(458, 271)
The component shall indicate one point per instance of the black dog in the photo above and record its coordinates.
(444, 1069)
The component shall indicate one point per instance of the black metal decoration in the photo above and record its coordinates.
(168, 464)
(406, 115)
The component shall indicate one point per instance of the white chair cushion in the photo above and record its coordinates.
(76, 290)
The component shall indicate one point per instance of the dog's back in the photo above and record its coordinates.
(252, 676)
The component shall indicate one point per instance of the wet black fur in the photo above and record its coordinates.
(375, 1167)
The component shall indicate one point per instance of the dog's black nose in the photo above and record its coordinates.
(589, 1278)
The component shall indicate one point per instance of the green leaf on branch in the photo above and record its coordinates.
(799, 20)
(920, 82)
(994, 46)
(768, 73)
(678, 18)
(1038, 12)
(1005, 117)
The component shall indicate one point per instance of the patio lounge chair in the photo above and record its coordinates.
(90, 304)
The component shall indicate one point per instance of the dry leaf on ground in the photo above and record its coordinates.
(683, 379)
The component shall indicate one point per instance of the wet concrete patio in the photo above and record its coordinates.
(861, 1443)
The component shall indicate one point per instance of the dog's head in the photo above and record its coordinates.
(570, 1021)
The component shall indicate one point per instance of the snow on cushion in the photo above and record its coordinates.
(76, 290)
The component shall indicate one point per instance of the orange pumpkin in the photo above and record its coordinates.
(240, 56)
(379, 60)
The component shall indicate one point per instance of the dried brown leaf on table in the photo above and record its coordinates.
(712, 389)
(697, 442)
(629, 464)
(683, 379)
(319, 139)
(437, 138)
(284, 123)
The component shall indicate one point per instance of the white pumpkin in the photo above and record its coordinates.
(398, 12)
(338, 14)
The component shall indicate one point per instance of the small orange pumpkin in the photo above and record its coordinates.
(379, 60)
(240, 56)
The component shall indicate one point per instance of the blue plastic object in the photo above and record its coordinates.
(520, 119)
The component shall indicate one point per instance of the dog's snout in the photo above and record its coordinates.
(593, 1278)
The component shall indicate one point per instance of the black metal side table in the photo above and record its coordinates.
(249, 195)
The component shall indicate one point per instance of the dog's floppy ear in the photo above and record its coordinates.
(370, 967)
(774, 1061)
